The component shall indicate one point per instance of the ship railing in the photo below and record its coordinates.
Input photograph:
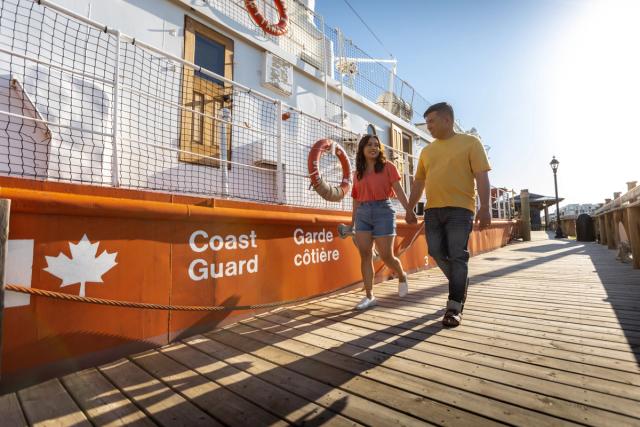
(85, 103)
(502, 203)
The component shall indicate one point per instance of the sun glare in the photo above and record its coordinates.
(595, 96)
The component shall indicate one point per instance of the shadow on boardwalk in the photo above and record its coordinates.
(512, 361)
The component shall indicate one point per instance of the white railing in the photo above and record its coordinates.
(81, 102)
(110, 112)
(502, 203)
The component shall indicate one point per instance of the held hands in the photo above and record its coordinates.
(411, 217)
(483, 217)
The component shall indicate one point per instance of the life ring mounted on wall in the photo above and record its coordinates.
(327, 192)
(278, 29)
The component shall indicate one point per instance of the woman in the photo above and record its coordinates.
(376, 181)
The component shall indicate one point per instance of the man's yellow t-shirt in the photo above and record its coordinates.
(448, 166)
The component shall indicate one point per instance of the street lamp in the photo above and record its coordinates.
(554, 167)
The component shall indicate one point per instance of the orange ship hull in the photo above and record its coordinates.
(170, 250)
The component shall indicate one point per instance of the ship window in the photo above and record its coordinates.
(371, 129)
(209, 55)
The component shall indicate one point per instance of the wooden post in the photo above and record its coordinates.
(605, 220)
(624, 216)
(525, 216)
(617, 218)
(5, 208)
(633, 214)
(611, 239)
(546, 217)
(603, 230)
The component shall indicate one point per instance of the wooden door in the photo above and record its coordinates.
(201, 133)
(407, 147)
(397, 153)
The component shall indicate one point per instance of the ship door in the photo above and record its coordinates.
(407, 147)
(401, 143)
(201, 135)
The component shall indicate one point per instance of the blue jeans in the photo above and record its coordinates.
(448, 231)
(377, 217)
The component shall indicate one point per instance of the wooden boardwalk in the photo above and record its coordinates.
(550, 336)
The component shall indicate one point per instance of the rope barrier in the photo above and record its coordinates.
(129, 304)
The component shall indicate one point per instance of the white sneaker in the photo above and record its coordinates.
(403, 288)
(366, 303)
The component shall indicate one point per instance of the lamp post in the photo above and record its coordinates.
(554, 167)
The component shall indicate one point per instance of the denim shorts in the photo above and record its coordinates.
(377, 217)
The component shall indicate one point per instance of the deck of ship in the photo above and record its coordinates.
(550, 335)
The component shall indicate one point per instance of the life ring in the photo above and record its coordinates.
(278, 29)
(327, 192)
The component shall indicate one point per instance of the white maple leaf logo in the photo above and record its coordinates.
(83, 266)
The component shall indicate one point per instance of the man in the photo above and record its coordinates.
(448, 167)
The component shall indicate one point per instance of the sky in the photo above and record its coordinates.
(536, 78)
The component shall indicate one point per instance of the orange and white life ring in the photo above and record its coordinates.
(327, 192)
(278, 29)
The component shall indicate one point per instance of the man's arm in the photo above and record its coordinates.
(484, 192)
(400, 194)
(416, 192)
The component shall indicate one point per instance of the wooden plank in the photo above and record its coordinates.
(157, 400)
(608, 337)
(260, 344)
(570, 319)
(416, 349)
(102, 403)
(10, 411)
(505, 309)
(478, 345)
(219, 402)
(568, 305)
(489, 325)
(618, 317)
(354, 367)
(48, 404)
(592, 298)
(281, 402)
(348, 404)
(555, 357)
(484, 325)
(384, 354)
(527, 320)
(452, 351)
(484, 307)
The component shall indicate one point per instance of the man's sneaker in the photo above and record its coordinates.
(403, 288)
(366, 303)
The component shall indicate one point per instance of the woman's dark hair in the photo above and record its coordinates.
(361, 162)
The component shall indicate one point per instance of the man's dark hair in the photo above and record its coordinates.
(440, 107)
